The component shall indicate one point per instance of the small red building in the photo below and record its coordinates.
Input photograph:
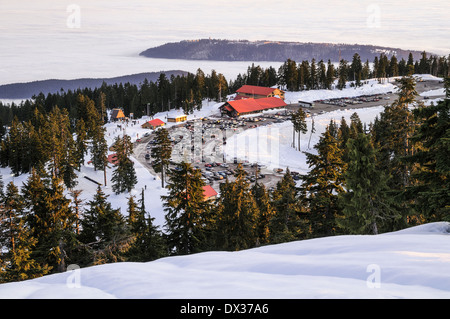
(153, 124)
(209, 192)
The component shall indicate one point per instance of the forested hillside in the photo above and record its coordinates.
(228, 50)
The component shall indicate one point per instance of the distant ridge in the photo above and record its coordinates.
(243, 50)
(27, 90)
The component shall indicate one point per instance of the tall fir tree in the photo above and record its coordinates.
(285, 224)
(298, 120)
(104, 231)
(392, 133)
(266, 212)
(367, 207)
(148, 243)
(99, 151)
(323, 183)
(124, 176)
(430, 194)
(161, 153)
(16, 240)
(237, 216)
(186, 211)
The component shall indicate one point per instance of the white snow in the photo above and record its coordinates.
(411, 264)
(373, 87)
(437, 92)
(244, 145)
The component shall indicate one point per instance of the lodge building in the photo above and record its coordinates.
(258, 92)
(249, 106)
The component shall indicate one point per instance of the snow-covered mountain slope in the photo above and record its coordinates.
(412, 263)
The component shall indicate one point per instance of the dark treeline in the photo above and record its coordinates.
(187, 92)
(181, 92)
(310, 75)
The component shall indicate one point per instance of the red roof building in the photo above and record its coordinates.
(248, 106)
(153, 124)
(258, 92)
(209, 192)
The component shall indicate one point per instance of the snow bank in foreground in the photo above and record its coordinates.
(412, 263)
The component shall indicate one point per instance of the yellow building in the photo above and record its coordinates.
(181, 118)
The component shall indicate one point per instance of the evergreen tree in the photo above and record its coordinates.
(51, 220)
(288, 75)
(285, 224)
(186, 211)
(323, 183)
(14, 142)
(322, 75)
(342, 74)
(299, 122)
(1, 186)
(330, 75)
(99, 150)
(313, 130)
(393, 67)
(356, 69)
(81, 143)
(16, 240)
(148, 241)
(366, 205)
(266, 212)
(392, 133)
(161, 153)
(356, 126)
(424, 65)
(104, 231)
(124, 176)
(314, 79)
(430, 194)
(238, 214)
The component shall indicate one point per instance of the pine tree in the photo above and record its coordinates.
(299, 122)
(285, 224)
(60, 146)
(313, 130)
(266, 212)
(148, 241)
(392, 132)
(356, 69)
(104, 231)
(393, 67)
(14, 146)
(313, 75)
(81, 143)
(124, 176)
(1, 186)
(356, 126)
(430, 194)
(367, 208)
(16, 264)
(99, 151)
(323, 183)
(330, 75)
(51, 220)
(186, 210)
(237, 215)
(342, 74)
(161, 153)
(77, 208)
